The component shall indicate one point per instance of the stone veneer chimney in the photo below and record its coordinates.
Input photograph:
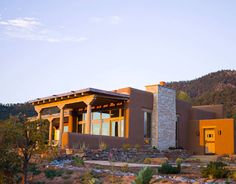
(163, 116)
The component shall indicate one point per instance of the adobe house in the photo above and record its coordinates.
(130, 116)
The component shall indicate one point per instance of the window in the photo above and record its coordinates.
(105, 114)
(95, 115)
(65, 129)
(95, 128)
(147, 125)
(106, 128)
(115, 128)
(80, 128)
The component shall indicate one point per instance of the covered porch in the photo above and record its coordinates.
(88, 111)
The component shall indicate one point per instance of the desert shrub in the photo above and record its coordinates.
(126, 146)
(39, 182)
(166, 168)
(94, 181)
(147, 161)
(137, 146)
(125, 168)
(51, 173)
(34, 169)
(215, 170)
(233, 175)
(89, 178)
(179, 161)
(83, 147)
(144, 176)
(76, 161)
(102, 146)
(69, 172)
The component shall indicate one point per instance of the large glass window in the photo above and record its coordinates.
(106, 128)
(95, 115)
(95, 128)
(105, 114)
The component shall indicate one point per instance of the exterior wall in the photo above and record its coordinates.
(183, 111)
(224, 143)
(75, 140)
(163, 117)
(139, 102)
(216, 109)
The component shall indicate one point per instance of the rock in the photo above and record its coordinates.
(159, 161)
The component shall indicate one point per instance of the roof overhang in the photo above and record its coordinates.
(81, 93)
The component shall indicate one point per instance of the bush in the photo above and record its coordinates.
(169, 169)
(147, 161)
(215, 170)
(125, 168)
(51, 173)
(102, 146)
(179, 161)
(89, 178)
(144, 176)
(34, 169)
(76, 161)
(126, 146)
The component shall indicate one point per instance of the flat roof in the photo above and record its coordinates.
(83, 92)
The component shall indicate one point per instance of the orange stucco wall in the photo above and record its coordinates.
(224, 142)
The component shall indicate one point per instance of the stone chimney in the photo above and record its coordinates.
(154, 87)
(163, 116)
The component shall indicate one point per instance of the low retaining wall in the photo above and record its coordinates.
(75, 140)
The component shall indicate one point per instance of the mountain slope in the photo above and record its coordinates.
(214, 88)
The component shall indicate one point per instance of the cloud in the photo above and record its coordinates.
(29, 28)
(96, 19)
(115, 19)
(27, 23)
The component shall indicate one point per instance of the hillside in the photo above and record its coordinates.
(14, 109)
(214, 88)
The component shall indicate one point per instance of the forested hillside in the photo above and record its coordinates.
(214, 88)
(14, 109)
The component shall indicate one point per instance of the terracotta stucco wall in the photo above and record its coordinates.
(139, 102)
(224, 143)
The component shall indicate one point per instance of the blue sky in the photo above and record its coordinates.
(53, 46)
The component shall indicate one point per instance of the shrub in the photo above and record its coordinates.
(88, 178)
(125, 168)
(69, 172)
(144, 176)
(126, 146)
(34, 169)
(76, 161)
(102, 146)
(94, 181)
(179, 161)
(215, 170)
(147, 161)
(137, 146)
(51, 173)
(166, 168)
(83, 147)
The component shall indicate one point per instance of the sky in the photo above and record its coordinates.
(54, 46)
